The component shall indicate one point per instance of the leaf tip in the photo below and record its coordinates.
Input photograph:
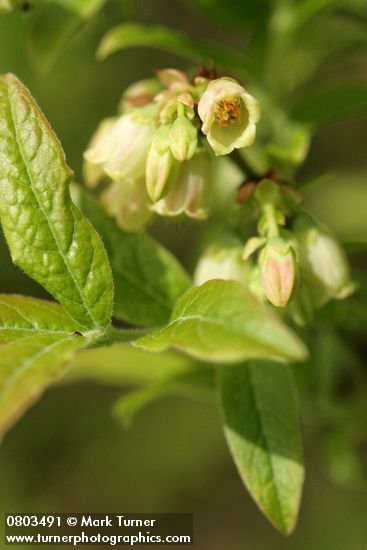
(104, 48)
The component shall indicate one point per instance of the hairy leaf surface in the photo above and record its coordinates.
(47, 235)
(221, 321)
(36, 339)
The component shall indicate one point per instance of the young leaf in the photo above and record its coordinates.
(54, 25)
(83, 8)
(263, 432)
(131, 35)
(47, 235)
(148, 279)
(221, 321)
(36, 339)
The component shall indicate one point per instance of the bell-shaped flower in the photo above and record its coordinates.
(324, 263)
(161, 167)
(190, 194)
(229, 115)
(128, 204)
(121, 148)
(97, 152)
(222, 260)
(279, 271)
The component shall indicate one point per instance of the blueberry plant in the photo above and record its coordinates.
(221, 145)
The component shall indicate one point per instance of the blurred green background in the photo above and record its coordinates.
(67, 453)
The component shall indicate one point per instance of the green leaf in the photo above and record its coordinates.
(54, 25)
(331, 104)
(83, 8)
(36, 340)
(47, 235)
(263, 432)
(235, 12)
(51, 30)
(148, 279)
(131, 35)
(221, 321)
(306, 10)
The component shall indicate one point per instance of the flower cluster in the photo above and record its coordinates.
(300, 267)
(157, 153)
(304, 265)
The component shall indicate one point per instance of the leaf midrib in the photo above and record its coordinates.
(264, 437)
(30, 180)
(26, 365)
(227, 327)
(36, 330)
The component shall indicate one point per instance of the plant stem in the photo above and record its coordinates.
(269, 211)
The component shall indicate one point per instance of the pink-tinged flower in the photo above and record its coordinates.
(120, 148)
(229, 115)
(97, 152)
(139, 94)
(279, 272)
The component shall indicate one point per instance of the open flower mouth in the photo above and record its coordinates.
(227, 111)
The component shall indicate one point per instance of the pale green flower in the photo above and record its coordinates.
(183, 138)
(229, 115)
(161, 167)
(128, 203)
(97, 152)
(324, 264)
(190, 194)
(120, 148)
(222, 260)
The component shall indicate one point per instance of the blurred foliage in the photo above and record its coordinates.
(314, 75)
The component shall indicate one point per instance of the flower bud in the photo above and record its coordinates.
(183, 138)
(128, 204)
(161, 167)
(139, 94)
(325, 265)
(278, 271)
(190, 193)
(229, 115)
(172, 78)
